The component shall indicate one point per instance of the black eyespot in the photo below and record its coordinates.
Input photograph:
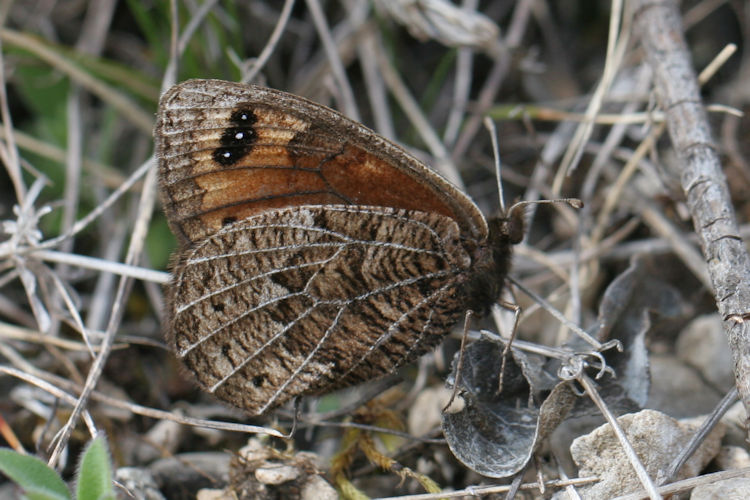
(237, 140)
(259, 380)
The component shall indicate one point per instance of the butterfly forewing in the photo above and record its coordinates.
(309, 299)
(229, 151)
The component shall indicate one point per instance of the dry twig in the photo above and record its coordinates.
(660, 30)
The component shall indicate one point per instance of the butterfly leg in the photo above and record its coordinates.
(506, 351)
(460, 364)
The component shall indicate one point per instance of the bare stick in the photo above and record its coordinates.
(659, 27)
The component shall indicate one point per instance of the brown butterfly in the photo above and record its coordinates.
(314, 254)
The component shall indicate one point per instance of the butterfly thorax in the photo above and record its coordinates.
(491, 261)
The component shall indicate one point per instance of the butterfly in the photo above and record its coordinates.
(314, 254)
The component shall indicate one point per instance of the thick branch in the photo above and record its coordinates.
(659, 27)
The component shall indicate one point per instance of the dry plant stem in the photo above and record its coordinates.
(486, 97)
(96, 26)
(54, 385)
(460, 363)
(617, 42)
(10, 437)
(640, 470)
(123, 104)
(26, 373)
(105, 174)
(689, 484)
(700, 11)
(370, 428)
(506, 351)
(478, 491)
(178, 45)
(273, 40)
(661, 225)
(410, 106)
(14, 332)
(558, 315)
(731, 135)
(652, 217)
(74, 156)
(146, 205)
(376, 89)
(9, 153)
(703, 182)
(615, 192)
(708, 425)
(461, 87)
(569, 489)
(70, 304)
(12, 310)
(549, 261)
(170, 72)
(539, 466)
(93, 263)
(491, 86)
(582, 243)
(73, 164)
(609, 250)
(346, 94)
(113, 234)
(515, 485)
(91, 216)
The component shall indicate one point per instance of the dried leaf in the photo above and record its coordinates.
(495, 433)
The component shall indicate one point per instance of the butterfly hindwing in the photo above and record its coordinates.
(306, 300)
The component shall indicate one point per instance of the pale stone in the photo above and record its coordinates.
(317, 488)
(656, 438)
(737, 488)
(276, 474)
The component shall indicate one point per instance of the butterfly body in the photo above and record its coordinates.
(314, 254)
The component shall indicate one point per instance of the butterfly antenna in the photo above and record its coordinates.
(573, 202)
(496, 153)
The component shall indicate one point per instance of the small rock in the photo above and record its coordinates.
(656, 438)
(425, 413)
(139, 483)
(735, 419)
(189, 472)
(276, 474)
(214, 494)
(259, 471)
(317, 488)
(703, 345)
(163, 438)
(254, 450)
(728, 489)
(732, 457)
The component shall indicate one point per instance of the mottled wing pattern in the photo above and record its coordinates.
(308, 299)
(314, 254)
(228, 151)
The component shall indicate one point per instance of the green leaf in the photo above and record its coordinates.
(36, 478)
(94, 481)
